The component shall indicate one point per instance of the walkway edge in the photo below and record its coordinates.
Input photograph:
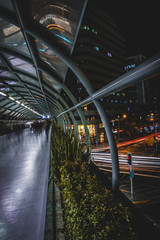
(59, 214)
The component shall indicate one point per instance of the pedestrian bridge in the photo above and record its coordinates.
(34, 60)
(35, 56)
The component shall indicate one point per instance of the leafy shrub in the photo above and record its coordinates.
(89, 212)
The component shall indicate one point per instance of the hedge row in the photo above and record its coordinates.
(89, 211)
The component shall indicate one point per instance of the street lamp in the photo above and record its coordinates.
(124, 116)
(118, 126)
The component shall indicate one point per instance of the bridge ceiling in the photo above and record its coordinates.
(32, 75)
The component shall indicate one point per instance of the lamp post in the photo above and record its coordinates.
(118, 126)
(124, 116)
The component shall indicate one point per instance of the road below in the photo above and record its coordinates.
(136, 146)
(146, 167)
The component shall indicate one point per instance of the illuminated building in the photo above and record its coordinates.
(100, 53)
(137, 92)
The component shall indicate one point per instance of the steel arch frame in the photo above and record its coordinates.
(44, 37)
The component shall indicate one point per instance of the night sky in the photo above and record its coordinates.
(138, 23)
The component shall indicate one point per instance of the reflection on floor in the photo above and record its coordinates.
(24, 160)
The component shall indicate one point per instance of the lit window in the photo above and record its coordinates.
(85, 27)
(96, 48)
(79, 90)
(130, 66)
(109, 54)
(101, 125)
(15, 44)
(94, 31)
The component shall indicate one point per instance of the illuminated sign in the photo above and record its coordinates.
(129, 66)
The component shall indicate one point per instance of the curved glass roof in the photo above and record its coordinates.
(32, 74)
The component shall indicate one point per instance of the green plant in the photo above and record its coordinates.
(89, 211)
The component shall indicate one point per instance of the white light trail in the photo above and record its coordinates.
(137, 160)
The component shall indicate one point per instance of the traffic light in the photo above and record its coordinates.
(129, 158)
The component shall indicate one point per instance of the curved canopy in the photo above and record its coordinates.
(32, 75)
(37, 39)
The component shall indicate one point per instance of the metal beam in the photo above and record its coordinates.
(30, 44)
(5, 61)
(141, 72)
(48, 70)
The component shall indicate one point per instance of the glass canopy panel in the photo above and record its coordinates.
(5, 89)
(10, 105)
(3, 101)
(14, 107)
(12, 83)
(1, 63)
(29, 79)
(21, 89)
(60, 17)
(6, 74)
(7, 4)
(51, 82)
(7, 112)
(22, 65)
(11, 36)
(48, 56)
(1, 85)
(31, 87)
(34, 92)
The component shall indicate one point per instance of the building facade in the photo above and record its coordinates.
(100, 53)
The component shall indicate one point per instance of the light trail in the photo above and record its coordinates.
(126, 143)
(106, 157)
(141, 165)
(123, 172)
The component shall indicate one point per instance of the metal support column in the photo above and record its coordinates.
(112, 144)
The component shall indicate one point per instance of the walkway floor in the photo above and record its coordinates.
(23, 175)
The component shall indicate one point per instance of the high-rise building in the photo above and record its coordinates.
(100, 53)
(99, 50)
(136, 92)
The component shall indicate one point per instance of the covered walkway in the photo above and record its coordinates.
(39, 41)
(24, 165)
